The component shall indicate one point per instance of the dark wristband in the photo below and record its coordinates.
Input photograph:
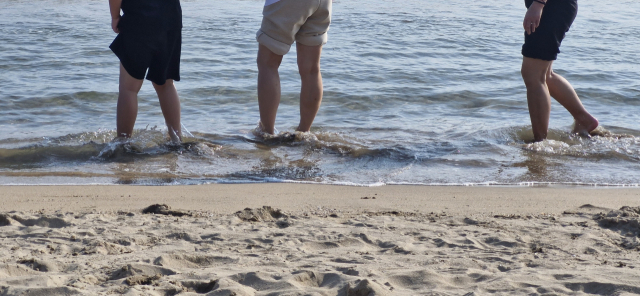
(540, 1)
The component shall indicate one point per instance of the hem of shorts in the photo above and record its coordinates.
(313, 40)
(540, 57)
(165, 80)
(124, 65)
(277, 47)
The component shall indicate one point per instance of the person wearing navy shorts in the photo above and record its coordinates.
(545, 25)
(149, 42)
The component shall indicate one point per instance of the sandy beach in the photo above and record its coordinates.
(302, 239)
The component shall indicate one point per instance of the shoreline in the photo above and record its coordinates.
(296, 197)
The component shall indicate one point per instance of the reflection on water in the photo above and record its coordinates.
(537, 168)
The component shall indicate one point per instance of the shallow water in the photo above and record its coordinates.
(414, 94)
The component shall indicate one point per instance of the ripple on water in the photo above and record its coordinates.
(414, 94)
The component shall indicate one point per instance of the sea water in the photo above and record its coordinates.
(416, 92)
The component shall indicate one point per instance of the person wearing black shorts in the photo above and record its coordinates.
(149, 42)
(546, 23)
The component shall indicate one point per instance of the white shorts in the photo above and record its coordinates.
(288, 21)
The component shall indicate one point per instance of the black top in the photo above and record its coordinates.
(151, 15)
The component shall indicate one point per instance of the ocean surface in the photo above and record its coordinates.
(416, 92)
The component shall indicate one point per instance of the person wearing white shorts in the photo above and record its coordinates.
(284, 22)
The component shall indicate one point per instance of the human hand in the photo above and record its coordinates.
(114, 25)
(532, 18)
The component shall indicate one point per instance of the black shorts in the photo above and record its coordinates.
(557, 17)
(159, 52)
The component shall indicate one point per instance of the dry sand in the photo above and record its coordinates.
(318, 240)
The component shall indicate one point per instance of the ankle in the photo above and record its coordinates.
(266, 130)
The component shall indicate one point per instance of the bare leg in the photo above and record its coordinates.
(170, 105)
(561, 90)
(127, 110)
(311, 89)
(542, 83)
(534, 73)
(268, 87)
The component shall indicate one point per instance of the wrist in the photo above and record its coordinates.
(536, 6)
(113, 18)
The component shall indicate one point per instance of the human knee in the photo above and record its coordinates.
(308, 67)
(265, 63)
(533, 77)
(128, 90)
(268, 60)
(131, 86)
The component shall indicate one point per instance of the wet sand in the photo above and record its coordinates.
(229, 198)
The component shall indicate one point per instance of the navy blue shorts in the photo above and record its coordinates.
(557, 17)
(158, 52)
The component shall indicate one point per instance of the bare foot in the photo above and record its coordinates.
(175, 137)
(259, 131)
(120, 139)
(585, 125)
